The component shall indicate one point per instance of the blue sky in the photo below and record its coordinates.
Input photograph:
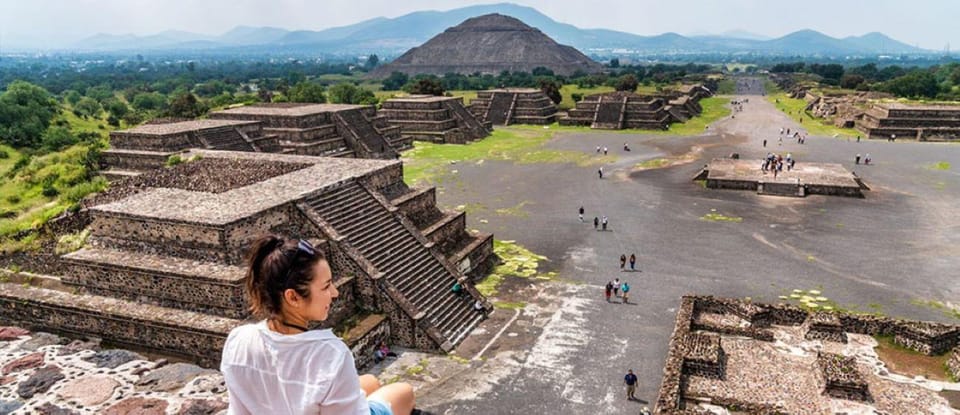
(929, 24)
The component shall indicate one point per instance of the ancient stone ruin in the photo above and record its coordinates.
(149, 146)
(771, 359)
(910, 122)
(804, 179)
(331, 130)
(162, 267)
(489, 44)
(514, 106)
(622, 110)
(435, 119)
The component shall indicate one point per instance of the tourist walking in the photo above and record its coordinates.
(600, 171)
(598, 149)
(603, 222)
(616, 287)
(625, 288)
(623, 261)
(626, 147)
(633, 262)
(288, 283)
(581, 214)
(604, 151)
(857, 159)
(866, 159)
(764, 143)
(608, 290)
(631, 381)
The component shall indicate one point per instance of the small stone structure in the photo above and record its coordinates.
(804, 179)
(622, 110)
(841, 377)
(824, 326)
(163, 270)
(514, 106)
(769, 363)
(953, 365)
(436, 119)
(331, 130)
(149, 146)
(911, 122)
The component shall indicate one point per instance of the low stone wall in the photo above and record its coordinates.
(449, 226)
(150, 142)
(953, 365)
(926, 337)
(366, 337)
(841, 377)
(193, 336)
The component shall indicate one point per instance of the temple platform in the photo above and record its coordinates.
(805, 178)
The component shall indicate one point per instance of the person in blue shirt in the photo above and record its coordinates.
(631, 381)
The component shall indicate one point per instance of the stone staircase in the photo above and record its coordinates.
(354, 123)
(224, 138)
(499, 111)
(609, 115)
(466, 120)
(403, 256)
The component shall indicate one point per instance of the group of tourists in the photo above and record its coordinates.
(633, 262)
(599, 222)
(617, 289)
(775, 163)
(866, 160)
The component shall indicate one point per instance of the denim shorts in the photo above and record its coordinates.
(378, 407)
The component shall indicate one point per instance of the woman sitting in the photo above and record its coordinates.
(278, 365)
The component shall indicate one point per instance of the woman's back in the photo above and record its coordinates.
(307, 373)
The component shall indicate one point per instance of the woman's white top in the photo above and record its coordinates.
(307, 373)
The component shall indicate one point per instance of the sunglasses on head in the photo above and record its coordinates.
(304, 247)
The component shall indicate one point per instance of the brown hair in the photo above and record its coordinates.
(277, 264)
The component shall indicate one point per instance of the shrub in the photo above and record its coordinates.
(13, 199)
(174, 160)
(49, 190)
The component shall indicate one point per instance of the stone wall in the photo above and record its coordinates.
(953, 365)
(925, 337)
(194, 336)
(364, 339)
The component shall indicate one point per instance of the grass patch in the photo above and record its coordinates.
(909, 362)
(516, 211)
(727, 87)
(796, 109)
(946, 309)
(652, 164)
(516, 261)
(714, 109)
(510, 305)
(418, 368)
(568, 90)
(719, 217)
(430, 162)
(942, 165)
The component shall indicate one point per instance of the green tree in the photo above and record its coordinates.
(149, 101)
(395, 81)
(851, 81)
(116, 107)
(305, 91)
(372, 62)
(72, 97)
(88, 107)
(426, 86)
(551, 88)
(627, 82)
(615, 63)
(100, 92)
(26, 111)
(348, 93)
(58, 138)
(185, 105)
(919, 83)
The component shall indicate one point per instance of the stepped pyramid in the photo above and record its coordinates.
(436, 119)
(162, 268)
(489, 44)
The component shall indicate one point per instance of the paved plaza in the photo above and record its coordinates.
(568, 350)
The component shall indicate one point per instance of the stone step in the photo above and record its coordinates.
(465, 328)
(354, 213)
(389, 255)
(452, 317)
(114, 175)
(194, 336)
(379, 237)
(167, 281)
(399, 265)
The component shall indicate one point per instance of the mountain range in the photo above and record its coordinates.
(393, 36)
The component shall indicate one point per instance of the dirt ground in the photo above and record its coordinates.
(567, 350)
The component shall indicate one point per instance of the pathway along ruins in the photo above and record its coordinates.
(569, 349)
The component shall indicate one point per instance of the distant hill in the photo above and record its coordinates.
(392, 36)
(490, 44)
